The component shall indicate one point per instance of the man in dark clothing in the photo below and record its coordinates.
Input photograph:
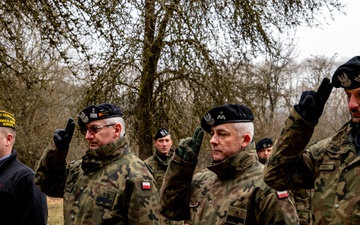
(21, 202)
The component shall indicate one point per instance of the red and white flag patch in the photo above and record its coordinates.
(282, 194)
(145, 185)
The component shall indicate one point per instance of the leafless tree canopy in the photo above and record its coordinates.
(163, 62)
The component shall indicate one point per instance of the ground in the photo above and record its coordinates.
(55, 208)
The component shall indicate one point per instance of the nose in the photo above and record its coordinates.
(214, 140)
(88, 135)
(353, 102)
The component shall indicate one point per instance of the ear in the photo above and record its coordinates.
(247, 139)
(8, 139)
(118, 129)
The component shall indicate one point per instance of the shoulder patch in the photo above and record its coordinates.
(282, 194)
(145, 185)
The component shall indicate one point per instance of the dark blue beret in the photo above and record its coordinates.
(98, 112)
(348, 75)
(162, 132)
(228, 113)
(264, 143)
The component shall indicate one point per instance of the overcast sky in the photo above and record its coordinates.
(338, 37)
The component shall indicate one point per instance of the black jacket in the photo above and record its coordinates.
(21, 202)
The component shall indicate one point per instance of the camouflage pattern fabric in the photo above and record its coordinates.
(331, 167)
(110, 185)
(230, 192)
(302, 199)
(158, 164)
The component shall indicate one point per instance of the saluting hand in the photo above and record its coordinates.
(311, 104)
(62, 138)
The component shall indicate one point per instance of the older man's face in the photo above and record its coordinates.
(99, 133)
(225, 141)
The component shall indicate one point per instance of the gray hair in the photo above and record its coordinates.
(117, 120)
(245, 128)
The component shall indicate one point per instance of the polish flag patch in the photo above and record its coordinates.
(282, 194)
(145, 185)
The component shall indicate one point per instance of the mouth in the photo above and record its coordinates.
(355, 115)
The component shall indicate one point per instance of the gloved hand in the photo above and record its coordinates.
(62, 138)
(311, 104)
(189, 147)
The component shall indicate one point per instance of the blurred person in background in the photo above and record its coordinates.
(263, 149)
(159, 161)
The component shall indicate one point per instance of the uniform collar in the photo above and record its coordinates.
(233, 165)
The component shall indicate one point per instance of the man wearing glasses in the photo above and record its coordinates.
(109, 185)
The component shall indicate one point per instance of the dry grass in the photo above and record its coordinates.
(55, 208)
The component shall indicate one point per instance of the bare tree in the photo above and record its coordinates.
(135, 50)
(35, 86)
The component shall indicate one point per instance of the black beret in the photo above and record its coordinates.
(162, 132)
(264, 143)
(348, 75)
(228, 113)
(98, 112)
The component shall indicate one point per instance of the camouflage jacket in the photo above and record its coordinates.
(110, 185)
(302, 200)
(158, 164)
(331, 167)
(229, 192)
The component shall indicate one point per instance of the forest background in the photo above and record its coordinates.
(165, 63)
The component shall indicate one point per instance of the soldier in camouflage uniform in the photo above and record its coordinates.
(301, 196)
(158, 162)
(263, 149)
(232, 190)
(109, 185)
(331, 167)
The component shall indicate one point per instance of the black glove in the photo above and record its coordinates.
(62, 138)
(311, 104)
(189, 147)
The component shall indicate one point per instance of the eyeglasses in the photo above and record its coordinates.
(94, 129)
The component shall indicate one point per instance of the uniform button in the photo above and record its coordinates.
(81, 188)
(346, 170)
(337, 206)
(72, 217)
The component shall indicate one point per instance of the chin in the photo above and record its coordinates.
(355, 120)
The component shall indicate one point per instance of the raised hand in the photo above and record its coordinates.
(311, 104)
(62, 138)
(189, 147)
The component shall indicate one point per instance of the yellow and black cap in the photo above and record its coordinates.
(7, 119)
